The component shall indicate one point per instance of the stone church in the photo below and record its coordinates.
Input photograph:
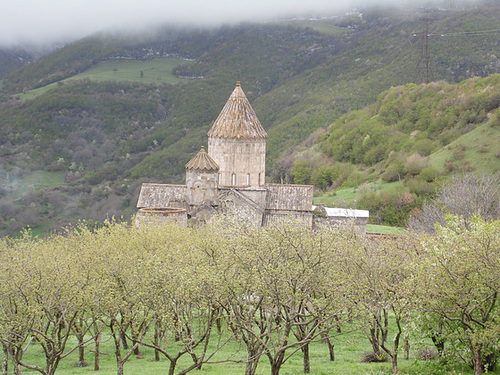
(229, 178)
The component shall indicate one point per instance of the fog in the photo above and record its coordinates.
(51, 21)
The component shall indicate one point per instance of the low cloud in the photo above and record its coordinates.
(44, 21)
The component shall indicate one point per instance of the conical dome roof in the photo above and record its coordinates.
(202, 162)
(237, 119)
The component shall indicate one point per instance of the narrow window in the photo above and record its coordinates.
(219, 178)
(248, 179)
(233, 179)
(259, 179)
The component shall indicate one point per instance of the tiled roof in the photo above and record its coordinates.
(202, 162)
(237, 119)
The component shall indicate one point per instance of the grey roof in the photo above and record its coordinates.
(237, 119)
(202, 162)
(289, 197)
(161, 195)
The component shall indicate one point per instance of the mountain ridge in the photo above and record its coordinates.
(107, 137)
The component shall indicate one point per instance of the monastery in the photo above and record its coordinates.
(230, 179)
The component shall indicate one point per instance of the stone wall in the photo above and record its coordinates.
(359, 224)
(159, 216)
(245, 158)
(277, 217)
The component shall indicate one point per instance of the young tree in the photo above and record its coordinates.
(459, 278)
(280, 282)
(122, 287)
(185, 297)
(46, 296)
(378, 275)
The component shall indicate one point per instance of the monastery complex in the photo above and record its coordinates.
(230, 179)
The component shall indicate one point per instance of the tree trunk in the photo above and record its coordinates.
(478, 361)
(385, 330)
(136, 350)
(374, 340)
(119, 368)
(331, 350)
(395, 363)
(97, 357)
(171, 368)
(81, 355)
(251, 367)
(157, 340)
(407, 348)
(16, 354)
(5, 364)
(123, 339)
(253, 356)
(307, 363)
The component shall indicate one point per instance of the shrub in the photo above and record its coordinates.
(372, 357)
(421, 188)
(301, 172)
(428, 174)
(427, 354)
(415, 163)
(392, 173)
(424, 146)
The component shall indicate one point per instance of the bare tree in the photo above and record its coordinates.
(464, 196)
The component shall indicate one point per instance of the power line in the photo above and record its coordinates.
(458, 33)
(424, 69)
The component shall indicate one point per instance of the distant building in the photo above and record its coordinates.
(229, 179)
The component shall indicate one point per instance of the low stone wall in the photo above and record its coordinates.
(159, 216)
(359, 223)
(277, 217)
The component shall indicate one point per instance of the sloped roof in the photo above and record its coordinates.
(202, 162)
(345, 212)
(237, 119)
(161, 196)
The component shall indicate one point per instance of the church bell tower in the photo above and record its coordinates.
(237, 143)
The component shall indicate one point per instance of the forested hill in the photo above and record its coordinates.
(83, 126)
(392, 155)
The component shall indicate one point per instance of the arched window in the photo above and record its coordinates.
(248, 179)
(233, 179)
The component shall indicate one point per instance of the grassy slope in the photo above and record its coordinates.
(36, 181)
(153, 71)
(478, 150)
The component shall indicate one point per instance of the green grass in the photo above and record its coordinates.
(477, 150)
(383, 229)
(36, 92)
(349, 350)
(153, 71)
(324, 27)
(349, 196)
(37, 181)
(158, 71)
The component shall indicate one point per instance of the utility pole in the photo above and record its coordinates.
(424, 66)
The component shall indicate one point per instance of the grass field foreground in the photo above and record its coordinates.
(349, 351)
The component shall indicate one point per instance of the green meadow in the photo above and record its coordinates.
(157, 71)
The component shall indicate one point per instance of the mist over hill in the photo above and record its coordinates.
(91, 141)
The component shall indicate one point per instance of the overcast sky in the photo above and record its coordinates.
(39, 21)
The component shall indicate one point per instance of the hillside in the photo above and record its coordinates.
(413, 137)
(105, 137)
